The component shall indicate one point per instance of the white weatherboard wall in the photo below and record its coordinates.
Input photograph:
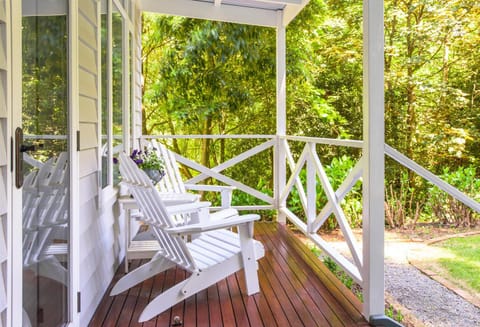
(100, 239)
(4, 95)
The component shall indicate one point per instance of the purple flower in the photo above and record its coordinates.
(134, 154)
(115, 161)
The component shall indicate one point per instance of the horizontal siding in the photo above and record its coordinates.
(3, 147)
(88, 162)
(88, 136)
(3, 90)
(88, 84)
(3, 15)
(90, 183)
(101, 251)
(88, 110)
(88, 8)
(87, 58)
(3, 193)
(87, 31)
(3, 48)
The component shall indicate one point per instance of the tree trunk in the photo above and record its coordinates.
(205, 146)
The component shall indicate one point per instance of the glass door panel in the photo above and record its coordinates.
(45, 193)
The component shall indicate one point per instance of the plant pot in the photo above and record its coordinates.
(155, 175)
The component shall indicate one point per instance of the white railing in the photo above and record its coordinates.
(309, 161)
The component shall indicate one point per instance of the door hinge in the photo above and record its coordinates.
(11, 154)
(78, 140)
(79, 302)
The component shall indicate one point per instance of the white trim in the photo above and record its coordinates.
(99, 101)
(123, 12)
(280, 163)
(214, 137)
(293, 2)
(14, 44)
(44, 8)
(281, 65)
(374, 159)
(290, 12)
(208, 10)
(125, 81)
(74, 221)
(311, 210)
(326, 141)
(109, 77)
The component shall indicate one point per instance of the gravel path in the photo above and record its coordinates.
(431, 303)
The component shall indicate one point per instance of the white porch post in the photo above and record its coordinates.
(280, 167)
(373, 151)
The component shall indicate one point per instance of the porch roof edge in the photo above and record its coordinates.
(248, 12)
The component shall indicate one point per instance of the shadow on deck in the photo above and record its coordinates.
(296, 290)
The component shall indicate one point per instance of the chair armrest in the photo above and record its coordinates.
(187, 208)
(210, 188)
(225, 191)
(223, 214)
(213, 225)
(173, 199)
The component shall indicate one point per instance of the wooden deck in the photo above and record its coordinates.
(296, 290)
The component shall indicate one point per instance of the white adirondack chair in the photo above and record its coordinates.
(211, 256)
(44, 218)
(173, 182)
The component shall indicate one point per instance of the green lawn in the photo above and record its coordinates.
(464, 264)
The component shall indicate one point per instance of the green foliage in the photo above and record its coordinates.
(463, 264)
(343, 277)
(241, 198)
(44, 85)
(336, 171)
(448, 210)
(404, 204)
(147, 159)
(217, 78)
(391, 312)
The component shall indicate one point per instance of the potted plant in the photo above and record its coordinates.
(150, 163)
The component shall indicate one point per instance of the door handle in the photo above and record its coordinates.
(27, 148)
(18, 157)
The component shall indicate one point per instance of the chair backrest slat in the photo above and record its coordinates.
(172, 181)
(155, 213)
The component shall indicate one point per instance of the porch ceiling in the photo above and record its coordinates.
(270, 13)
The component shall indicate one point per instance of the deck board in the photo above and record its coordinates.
(296, 290)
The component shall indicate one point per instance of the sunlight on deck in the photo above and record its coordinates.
(296, 290)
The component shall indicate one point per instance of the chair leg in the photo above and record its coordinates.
(150, 269)
(249, 258)
(164, 301)
(197, 282)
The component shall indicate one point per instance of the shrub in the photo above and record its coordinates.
(448, 210)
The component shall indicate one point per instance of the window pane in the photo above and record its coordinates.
(117, 66)
(105, 141)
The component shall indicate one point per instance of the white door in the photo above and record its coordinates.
(42, 177)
